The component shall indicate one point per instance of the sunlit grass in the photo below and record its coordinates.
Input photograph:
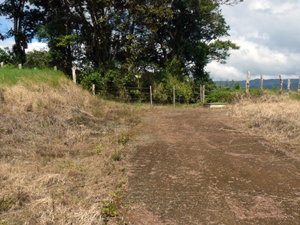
(12, 76)
(60, 154)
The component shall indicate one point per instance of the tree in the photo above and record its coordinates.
(134, 33)
(102, 32)
(26, 19)
(193, 35)
(59, 32)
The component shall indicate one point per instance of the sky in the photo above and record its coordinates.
(267, 31)
(5, 25)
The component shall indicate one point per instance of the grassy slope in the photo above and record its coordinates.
(272, 116)
(62, 152)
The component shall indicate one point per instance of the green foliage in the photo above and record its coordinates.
(123, 138)
(255, 91)
(219, 95)
(8, 57)
(117, 156)
(7, 203)
(109, 208)
(38, 59)
(173, 75)
(98, 151)
(163, 92)
(237, 86)
(225, 94)
(275, 89)
(112, 42)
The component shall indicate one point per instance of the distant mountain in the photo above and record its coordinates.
(269, 84)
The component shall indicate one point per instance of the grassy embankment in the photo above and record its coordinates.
(266, 113)
(63, 156)
(272, 116)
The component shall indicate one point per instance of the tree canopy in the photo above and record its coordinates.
(134, 36)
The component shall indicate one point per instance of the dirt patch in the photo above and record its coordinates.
(197, 166)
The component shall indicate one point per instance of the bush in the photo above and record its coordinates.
(219, 95)
(237, 86)
(8, 57)
(38, 59)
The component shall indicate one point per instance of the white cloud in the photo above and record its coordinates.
(36, 46)
(268, 33)
(7, 43)
(224, 72)
(31, 46)
(261, 4)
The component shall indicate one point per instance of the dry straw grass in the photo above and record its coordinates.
(57, 148)
(272, 116)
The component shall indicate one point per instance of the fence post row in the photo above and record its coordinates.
(248, 83)
(74, 74)
(261, 82)
(151, 95)
(281, 84)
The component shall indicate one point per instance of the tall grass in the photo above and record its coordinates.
(272, 116)
(58, 145)
(12, 76)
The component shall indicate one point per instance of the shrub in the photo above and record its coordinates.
(38, 59)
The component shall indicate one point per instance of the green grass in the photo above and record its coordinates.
(12, 76)
(225, 94)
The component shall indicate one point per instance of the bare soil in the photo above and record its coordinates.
(198, 166)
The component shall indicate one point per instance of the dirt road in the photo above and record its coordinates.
(196, 166)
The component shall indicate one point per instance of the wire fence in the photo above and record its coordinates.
(141, 94)
(145, 95)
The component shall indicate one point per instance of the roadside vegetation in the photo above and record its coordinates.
(63, 152)
(265, 113)
(271, 116)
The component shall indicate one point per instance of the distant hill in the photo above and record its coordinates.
(269, 84)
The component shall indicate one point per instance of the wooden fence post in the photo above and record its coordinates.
(203, 94)
(74, 74)
(248, 83)
(20, 66)
(261, 82)
(289, 85)
(2, 64)
(174, 95)
(93, 89)
(151, 95)
(55, 68)
(281, 84)
(232, 85)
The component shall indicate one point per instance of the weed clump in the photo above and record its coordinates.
(117, 156)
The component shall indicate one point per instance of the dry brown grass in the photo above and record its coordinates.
(57, 163)
(272, 116)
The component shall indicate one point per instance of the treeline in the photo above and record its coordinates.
(124, 42)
